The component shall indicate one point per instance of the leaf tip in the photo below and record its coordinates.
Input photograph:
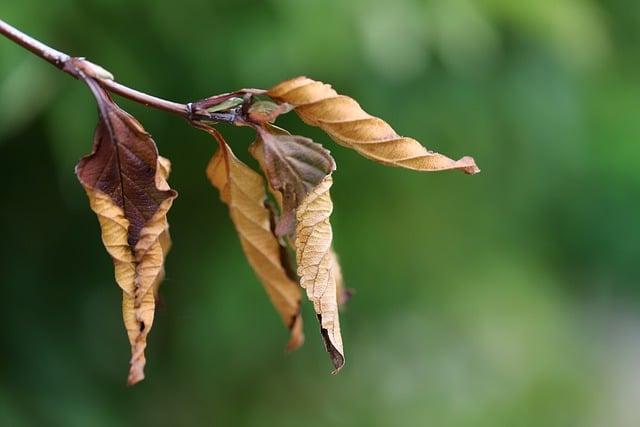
(338, 363)
(138, 359)
(336, 355)
(468, 165)
(297, 335)
(136, 374)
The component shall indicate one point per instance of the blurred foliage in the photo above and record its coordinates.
(507, 298)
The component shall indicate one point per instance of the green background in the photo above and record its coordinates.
(509, 298)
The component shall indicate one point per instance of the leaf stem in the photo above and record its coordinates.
(75, 66)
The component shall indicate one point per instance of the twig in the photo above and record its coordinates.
(75, 66)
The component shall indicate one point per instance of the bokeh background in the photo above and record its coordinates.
(509, 298)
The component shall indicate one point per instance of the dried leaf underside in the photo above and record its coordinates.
(243, 190)
(299, 170)
(316, 265)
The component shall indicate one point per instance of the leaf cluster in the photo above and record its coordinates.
(126, 182)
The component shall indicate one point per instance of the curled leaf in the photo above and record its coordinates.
(317, 265)
(243, 190)
(342, 294)
(294, 165)
(348, 124)
(125, 181)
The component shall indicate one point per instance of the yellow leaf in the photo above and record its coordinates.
(257, 151)
(348, 124)
(243, 190)
(126, 181)
(316, 265)
(138, 270)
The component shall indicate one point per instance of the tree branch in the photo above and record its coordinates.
(78, 67)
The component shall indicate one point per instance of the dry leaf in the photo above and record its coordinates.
(257, 151)
(339, 294)
(344, 294)
(316, 265)
(243, 190)
(125, 180)
(348, 124)
(293, 165)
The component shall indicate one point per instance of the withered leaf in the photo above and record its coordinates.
(243, 190)
(341, 294)
(348, 124)
(294, 165)
(125, 180)
(316, 265)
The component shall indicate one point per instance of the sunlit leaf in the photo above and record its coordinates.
(348, 124)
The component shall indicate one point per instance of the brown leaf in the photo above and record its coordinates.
(125, 180)
(317, 267)
(243, 190)
(257, 152)
(294, 165)
(342, 294)
(348, 124)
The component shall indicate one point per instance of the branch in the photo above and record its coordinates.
(80, 68)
